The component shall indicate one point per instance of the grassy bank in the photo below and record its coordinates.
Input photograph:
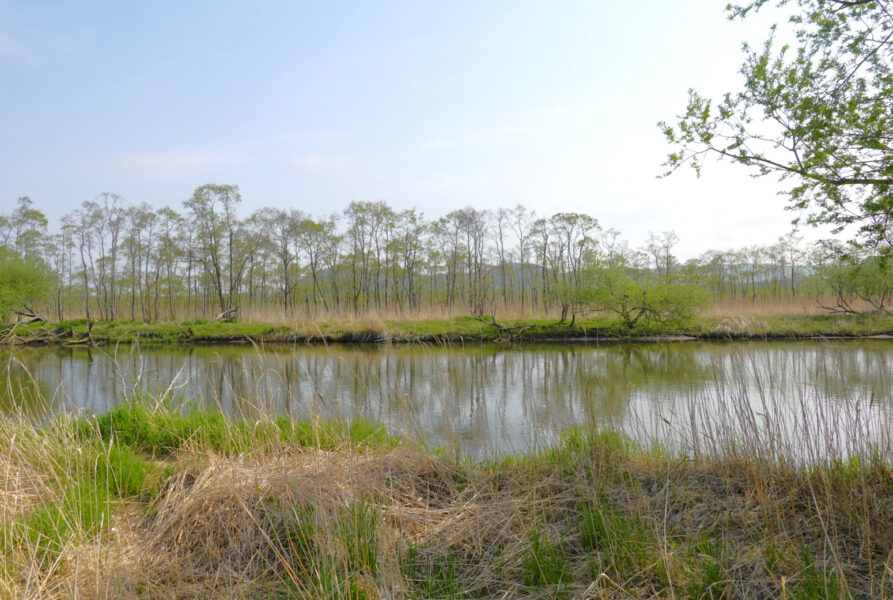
(148, 503)
(452, 329)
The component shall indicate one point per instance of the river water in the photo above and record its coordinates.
(807, 400)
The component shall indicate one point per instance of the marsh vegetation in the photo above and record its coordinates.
(148, 503)
(270, 472)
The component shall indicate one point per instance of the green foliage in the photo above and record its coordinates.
(47, 529)
(21, 281)
(300, 543)
(555, 515)
(83, 509)
(815, 582)
(127, 472)
(818, 112)
(338, 571)
(163, 431)
(850, 279)
(642, 304)
(91, 481)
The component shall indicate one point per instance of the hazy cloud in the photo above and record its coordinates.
(496, 135)
(175, 164)
(323, 164)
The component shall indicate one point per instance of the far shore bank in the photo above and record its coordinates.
(447, 330)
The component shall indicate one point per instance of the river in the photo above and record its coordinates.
(806, 399)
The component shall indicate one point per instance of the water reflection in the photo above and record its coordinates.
(484, 399)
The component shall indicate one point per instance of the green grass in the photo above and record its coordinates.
(430, 578)
(358, 531)
(545, 562)
(621, 544)
(460, 329)
(162, 431)
(707, 571)
(281, 509)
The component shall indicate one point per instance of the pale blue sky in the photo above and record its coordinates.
(437, 105)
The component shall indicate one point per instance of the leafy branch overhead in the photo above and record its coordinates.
(817, 112)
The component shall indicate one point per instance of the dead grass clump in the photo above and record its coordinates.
(763, 307)
(22, 485)
(593, 518)
(236, 519)
(768, 307)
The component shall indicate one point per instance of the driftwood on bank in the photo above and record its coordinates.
(513, 331)
(43, 335)
(30, 315)
(87, 339)
(230, 313)
(187, 333)
(8, 335)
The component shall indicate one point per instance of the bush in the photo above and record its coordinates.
(20, 282)
(644, 304)
(850, 279)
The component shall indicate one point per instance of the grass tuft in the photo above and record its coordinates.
(149, 502)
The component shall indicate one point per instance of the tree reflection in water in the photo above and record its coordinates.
(483, 398)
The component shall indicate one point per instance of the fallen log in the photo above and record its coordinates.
(513, 331)
(31, 315)
(87, 339)
(230, 313)
(8, 334)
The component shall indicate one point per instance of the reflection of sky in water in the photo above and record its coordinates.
(811, 397)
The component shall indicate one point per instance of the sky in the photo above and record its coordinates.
(433, 105)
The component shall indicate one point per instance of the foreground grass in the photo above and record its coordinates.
(711, 325)
(149, 503)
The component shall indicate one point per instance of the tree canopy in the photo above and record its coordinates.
(817, 112)
(21, 281)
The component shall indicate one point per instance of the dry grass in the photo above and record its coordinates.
(351, 319)
(804, 306)
(592, 518)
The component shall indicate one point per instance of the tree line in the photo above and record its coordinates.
(109, 259)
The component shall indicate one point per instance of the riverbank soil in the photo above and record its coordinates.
(456, 329)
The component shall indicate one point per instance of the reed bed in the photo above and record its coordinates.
(148, 502)
(350, 318)
(766, 307)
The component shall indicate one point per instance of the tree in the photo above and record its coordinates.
(573, 239)
(21, 281)
(224, 247)
(318, 242)
(24, 230)
(856, 282)
(645, 304)
(660, 247)
(521, 218)
(818, 114)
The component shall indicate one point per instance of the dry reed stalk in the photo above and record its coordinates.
(352, 319)
(224, 526)
(763, 308)
(218, 530)
(22, 486)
